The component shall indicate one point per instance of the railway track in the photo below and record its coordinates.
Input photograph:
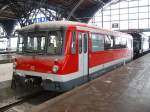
(26, 98)
(20, 100)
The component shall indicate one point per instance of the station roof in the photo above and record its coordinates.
(81, 10)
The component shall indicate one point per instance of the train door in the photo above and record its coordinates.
(83, 54)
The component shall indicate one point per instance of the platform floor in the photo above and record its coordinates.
(6, 58)
(126, 89)
(6, 71)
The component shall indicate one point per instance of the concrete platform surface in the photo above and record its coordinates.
(6, 58)
(126, 89)
(6, 71)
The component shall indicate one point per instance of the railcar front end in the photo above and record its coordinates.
(43, 57)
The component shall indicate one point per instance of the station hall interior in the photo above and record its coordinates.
(109, 65)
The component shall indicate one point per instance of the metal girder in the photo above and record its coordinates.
(3, 8)
(74, 9)
(8, 26)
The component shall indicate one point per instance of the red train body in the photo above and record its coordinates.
(64, 54)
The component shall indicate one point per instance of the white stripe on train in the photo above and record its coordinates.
(71, 76)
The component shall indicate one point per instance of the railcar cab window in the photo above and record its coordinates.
(31, 43)
(97, 42)
(46, 42)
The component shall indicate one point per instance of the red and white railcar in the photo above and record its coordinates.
(65, 54)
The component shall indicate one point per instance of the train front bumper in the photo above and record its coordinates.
(50, 82)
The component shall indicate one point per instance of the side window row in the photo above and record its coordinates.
(115, 42)
(102, 42)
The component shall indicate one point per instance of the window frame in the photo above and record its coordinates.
(111, 42)
(97, 39)
(80, 43)
(85, 40)
(73, 42)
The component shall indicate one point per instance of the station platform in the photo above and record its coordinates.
(6, 71)
(125, 89)
(6, 58)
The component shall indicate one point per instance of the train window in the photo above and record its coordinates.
(108, 42)
(34, 44)
(80, 42)
(73, 45)
(85, 43)
(55, 43)
(120, 42)
(97, 42)
(50, 43)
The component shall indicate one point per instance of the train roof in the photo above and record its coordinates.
(64, 24)
(48, 25)
(138, 35)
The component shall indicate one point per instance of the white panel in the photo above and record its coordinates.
(123, 4)
(106, 18)
(106, 25)
(13, 43)
(143, 9)
(133, 16)
(83, 57)
(114, 17)
(115, 6)
(143, 23)
(123, 24)
(143, 15)
(99, 24)
(149, 23)
(106, 12)
(123, 11)
(133, 24)
(133, 3)
(143, 2)
(98, 18)
(124, 17)
(133, 10)
(113, 12)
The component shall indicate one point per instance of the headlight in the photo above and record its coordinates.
(55, 68)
